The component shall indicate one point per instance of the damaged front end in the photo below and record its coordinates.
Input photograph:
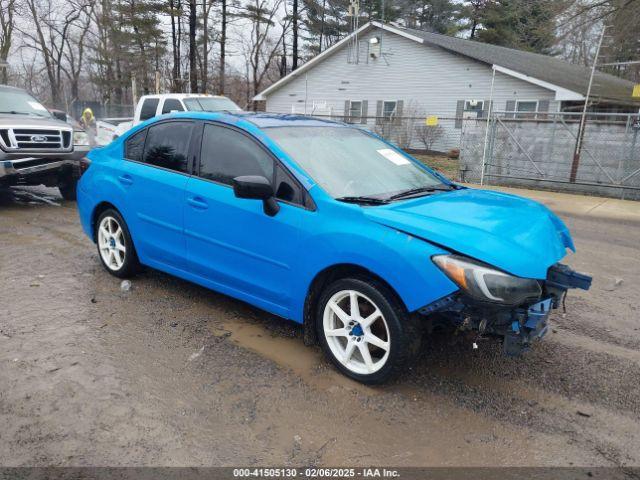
(491, 303)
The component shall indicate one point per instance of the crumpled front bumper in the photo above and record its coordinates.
(527, 327)
(520, 326)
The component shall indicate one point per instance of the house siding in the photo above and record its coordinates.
(429, 81)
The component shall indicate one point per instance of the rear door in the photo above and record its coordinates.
(232, 243)
(154, 176)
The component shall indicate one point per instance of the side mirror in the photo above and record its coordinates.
(258, 188)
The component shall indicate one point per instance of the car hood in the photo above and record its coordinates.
(517, 235)
(11, 120)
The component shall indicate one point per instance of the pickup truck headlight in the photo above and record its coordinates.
(80, 138)
(487, 284)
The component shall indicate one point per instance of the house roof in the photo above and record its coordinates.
(570, 79)
(543, 67)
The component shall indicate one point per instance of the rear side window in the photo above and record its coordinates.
(134, 146)
(172, 104)
(167, 145)
(148, 109)
(227, 154)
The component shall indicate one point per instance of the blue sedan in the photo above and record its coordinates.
(330, 226)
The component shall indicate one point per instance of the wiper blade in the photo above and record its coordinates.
(415, 191)
(363, 199)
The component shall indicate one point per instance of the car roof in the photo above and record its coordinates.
(257, 119)
(181, 96)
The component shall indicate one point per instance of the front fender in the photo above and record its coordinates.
(403, 261)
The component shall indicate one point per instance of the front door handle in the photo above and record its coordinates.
(198, 202)
(125, 180)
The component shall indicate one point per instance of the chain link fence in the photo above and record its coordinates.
(538, 151)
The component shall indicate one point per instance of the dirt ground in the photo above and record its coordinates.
(172, 374)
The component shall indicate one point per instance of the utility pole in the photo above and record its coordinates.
(583, 119)
(294, 63)
(193, 72)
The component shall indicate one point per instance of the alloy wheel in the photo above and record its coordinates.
(111, 243)
(356, 332)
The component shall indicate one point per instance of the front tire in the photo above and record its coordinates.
(115, 246)
(365, 330)
(68, 187)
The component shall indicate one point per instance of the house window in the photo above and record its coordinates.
(473, 105)
(388, 109)
(526, 109)
(355, 112)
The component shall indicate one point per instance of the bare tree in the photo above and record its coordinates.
(52, 27)
(262, 47)
(7, 13)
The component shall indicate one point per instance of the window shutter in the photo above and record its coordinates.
(379, 112)
(399, 108)
(365, 110)
(511, 107)
(459, 113)
(543, 106)
(345, 117)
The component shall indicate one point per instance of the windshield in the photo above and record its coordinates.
(347, 162)
(21, 103)
(210, 104)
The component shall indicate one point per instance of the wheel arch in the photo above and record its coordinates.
(97, 211)
(325, 277)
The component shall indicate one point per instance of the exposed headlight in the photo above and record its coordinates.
(80, 138)
(487, 284)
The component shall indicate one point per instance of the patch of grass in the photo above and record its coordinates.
(450, 167)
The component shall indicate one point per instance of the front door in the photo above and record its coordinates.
(231, 242)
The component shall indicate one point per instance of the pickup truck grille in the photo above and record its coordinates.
(36, 139)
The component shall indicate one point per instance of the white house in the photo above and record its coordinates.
(387, 71)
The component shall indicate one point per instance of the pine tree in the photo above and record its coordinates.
(523, 24)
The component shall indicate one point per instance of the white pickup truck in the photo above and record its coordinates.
(151, 105)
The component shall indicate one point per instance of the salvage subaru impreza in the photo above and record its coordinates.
(328, 225)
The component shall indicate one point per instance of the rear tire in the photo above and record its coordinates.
(365, 330)
(115, 246)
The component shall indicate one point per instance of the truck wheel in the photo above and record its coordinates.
(67, 186)
(115, 247)
(365, 330)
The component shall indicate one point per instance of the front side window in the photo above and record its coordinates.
(171, 105)
(167, 145)
(148, 109)
(227, 153)
(134, 146)
(347, 162)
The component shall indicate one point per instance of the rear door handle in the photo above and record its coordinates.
(198, 202)
(125, 180)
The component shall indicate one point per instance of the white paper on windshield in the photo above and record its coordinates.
(36, 106)
(393, 156)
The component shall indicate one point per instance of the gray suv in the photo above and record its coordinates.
(35, 147)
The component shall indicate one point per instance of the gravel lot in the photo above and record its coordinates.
(172, 374)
